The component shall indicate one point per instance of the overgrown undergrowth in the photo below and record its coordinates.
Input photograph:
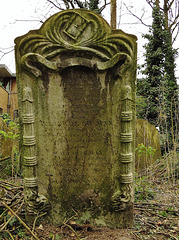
(156, 210)
(156, 206)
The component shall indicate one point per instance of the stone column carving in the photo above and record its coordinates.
(123, 197)
(35, 203)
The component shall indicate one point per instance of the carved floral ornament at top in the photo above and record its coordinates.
(76, 31)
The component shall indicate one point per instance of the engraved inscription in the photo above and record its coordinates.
(85, 126)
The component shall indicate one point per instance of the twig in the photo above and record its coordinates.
(153, 213)
(9, 234)
(140, 19)
(151, 224)
(103, 7)
(136, 236)
(5, 53)
(13, 186)
(158, 209)
(168, 235)
(154, 204)
(3, 159)
(7, 188)
(20, 220)
(72, 230)
(12, 206)
(33, 229)
(2, 228)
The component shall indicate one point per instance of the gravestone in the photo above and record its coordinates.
(76, 89)
(148, 135)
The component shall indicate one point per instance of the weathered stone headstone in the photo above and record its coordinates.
(148, 135)
(76, 89)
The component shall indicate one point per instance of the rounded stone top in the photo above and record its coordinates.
(74, 32)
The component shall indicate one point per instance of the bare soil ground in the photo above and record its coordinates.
(94, 233)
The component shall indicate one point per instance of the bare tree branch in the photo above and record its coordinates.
(66, 4)
(170, 4)
(139, 18)
(103, 7)
(27, 20)
(172, 19)
(5, 158)
(55, 5)
(174, 23)
(6, 52)
(174, 39)
(80, 5)
(151, 3)
(72, 5)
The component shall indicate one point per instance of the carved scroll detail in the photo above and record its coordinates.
(121, 199)
(75, 31)
(35, 203)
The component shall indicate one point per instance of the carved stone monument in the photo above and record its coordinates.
(76, 89)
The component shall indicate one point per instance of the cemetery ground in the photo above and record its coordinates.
(156, 210)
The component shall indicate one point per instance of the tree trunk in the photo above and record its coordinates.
(165, 8)
(157, 3)
(113, 14)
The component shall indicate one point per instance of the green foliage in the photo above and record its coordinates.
(84, 218)
(163, 213)
(13, 221)
(6, 117)
(15, 227)
(141, 106)
(13, 129)
(159, 88)
(93, 5)
(11, 133)
(144, 189)
(55, 237)
(21, 233)
(142, 149)
(58, 237)
(100, 221)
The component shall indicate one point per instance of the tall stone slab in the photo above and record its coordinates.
(76, 88)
